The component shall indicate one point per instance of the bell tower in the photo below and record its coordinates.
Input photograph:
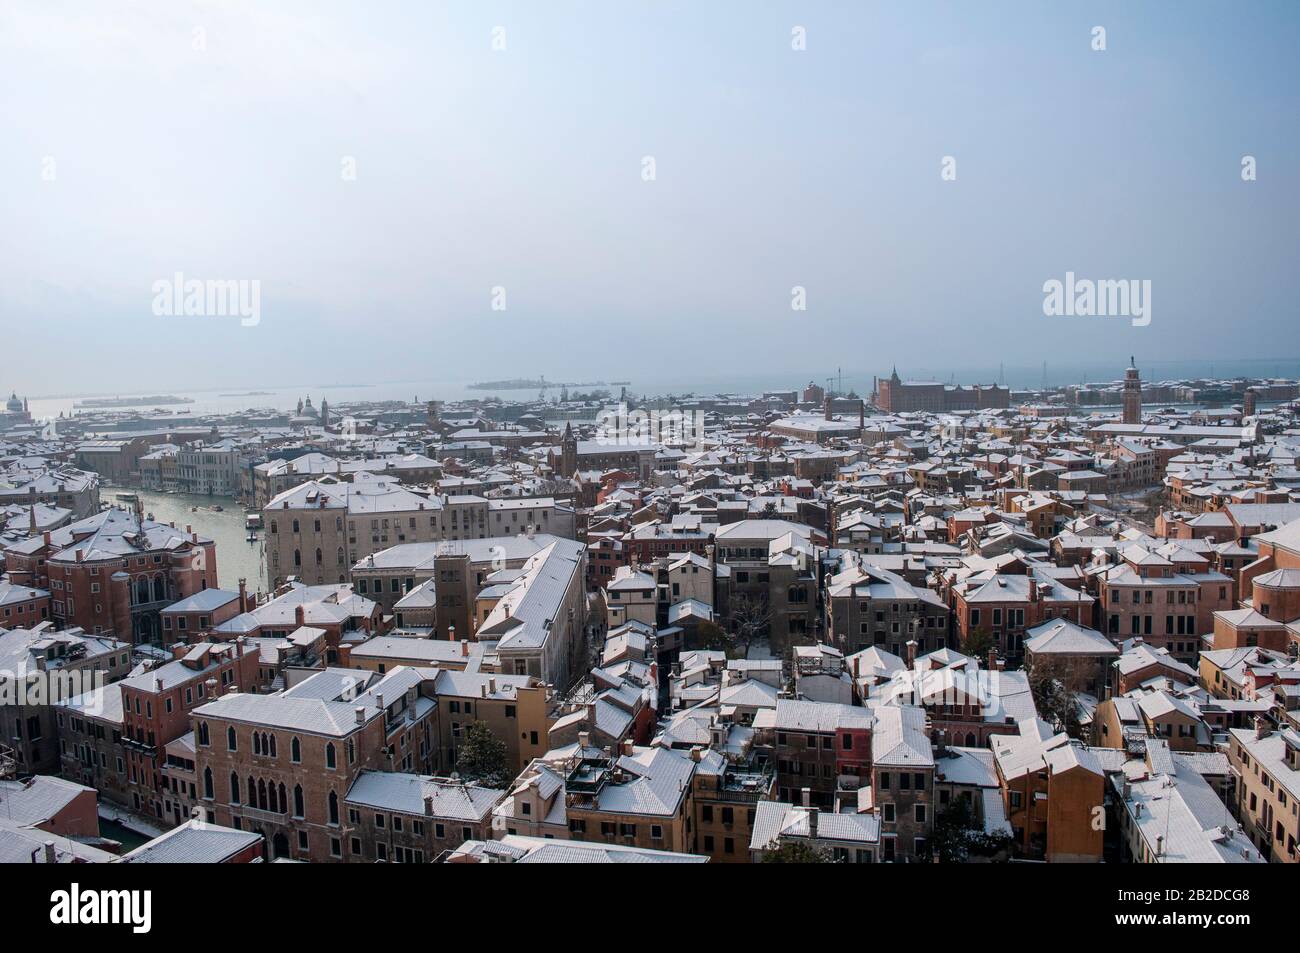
(1132, 394)
(568, 452)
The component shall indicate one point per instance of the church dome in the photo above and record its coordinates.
(14, 406)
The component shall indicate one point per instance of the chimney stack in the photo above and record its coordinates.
(805, 797)
(50, 856)
(361, 715)
(911, 654)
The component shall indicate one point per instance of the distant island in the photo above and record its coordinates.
(521, 383)
(133, 401)
(249, 393)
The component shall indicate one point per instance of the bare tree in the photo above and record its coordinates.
(750, 617)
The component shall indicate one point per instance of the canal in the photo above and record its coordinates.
(236, 558)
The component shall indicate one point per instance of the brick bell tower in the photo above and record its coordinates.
(1132, 394)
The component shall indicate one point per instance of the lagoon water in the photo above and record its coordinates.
(235, 398)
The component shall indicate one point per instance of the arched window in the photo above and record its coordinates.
(297, 800)
(142, 590)
(203, 734)
(283, 803)
(257, 742)
(234, 788)
(272, 746)
(295, 526)
(340, 556)
(334, 808)
(207, 782)
(297, 557)
(275, 528)
(295, 751)
(320, 558)
(230, 739)
(330, 759)
(159, 588)
(261, 794)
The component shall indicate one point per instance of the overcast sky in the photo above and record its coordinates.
(212, 139)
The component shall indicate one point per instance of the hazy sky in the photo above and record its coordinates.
(149, 138)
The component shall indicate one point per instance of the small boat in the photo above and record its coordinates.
(252, 521)
(194, 509)
(217, 509)
(251, 537)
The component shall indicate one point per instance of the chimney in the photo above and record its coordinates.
(584, 739)
(451, 634)
(428, 805)
(1261, 728)
(50, 856)
(361, 715)
(46, 537)
(591, 714)
(492, 686)
(812, 822)
(696, 753)
(464, 646)
(627, 747)
(243, 595)
(299, 615)
(826, 407)
(805, 797)
(993, 658)
(911, 653)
